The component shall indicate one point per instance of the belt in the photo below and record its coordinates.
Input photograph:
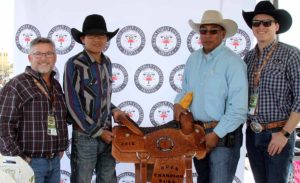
(270, 125)
(208, 125)
(77, 127)
(259, 127)
(46, 156)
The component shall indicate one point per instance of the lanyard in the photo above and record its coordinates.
(257, 70)
(43, 90)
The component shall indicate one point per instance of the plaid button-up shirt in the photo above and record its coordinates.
(279, 86)
(24, 110)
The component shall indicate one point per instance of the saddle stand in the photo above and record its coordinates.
(161, 154)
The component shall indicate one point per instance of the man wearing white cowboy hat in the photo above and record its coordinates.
(87, 85)
(217, 77)
(274, 90)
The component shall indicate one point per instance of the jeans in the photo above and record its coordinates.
(266, 168)
(219, 166)
(46, 170)
(89, 154)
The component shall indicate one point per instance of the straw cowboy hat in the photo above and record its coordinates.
(93, 24)
(215, 17)
(283, 17)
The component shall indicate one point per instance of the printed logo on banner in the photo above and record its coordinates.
(194, 177)
(119, 77)
(126, 177)
(236, 180)
(56, 73)
(161, 113)
(176, 77)
(131, 40)
(194, 41)
(68, 150)
(25, 34)
(148, 78)
(64, 176)
(166, 41)
(61, 36)
(240, 43)
(134, 111)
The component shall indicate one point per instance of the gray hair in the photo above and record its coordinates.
(40, 40)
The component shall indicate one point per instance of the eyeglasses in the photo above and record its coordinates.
(265, 23)
(211, 31)
(40, 54)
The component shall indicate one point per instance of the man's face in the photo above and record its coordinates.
(42, 58)
(211, 36)
(264, 28)
(94, 43)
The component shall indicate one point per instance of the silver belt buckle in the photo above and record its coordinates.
(256, 127)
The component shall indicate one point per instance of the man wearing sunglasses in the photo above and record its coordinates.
(274, 95)
(217, 77)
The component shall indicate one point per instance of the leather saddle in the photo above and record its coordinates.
(168, 148)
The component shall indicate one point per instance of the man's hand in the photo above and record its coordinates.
(107, 136)
(117, 114)
(178, 110)
(211, 141)
(277, 143)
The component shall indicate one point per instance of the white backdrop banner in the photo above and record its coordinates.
(148, 53)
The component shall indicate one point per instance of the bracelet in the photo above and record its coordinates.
(285, 133)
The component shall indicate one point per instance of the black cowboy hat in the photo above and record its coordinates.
(93, 24)
(283, 17)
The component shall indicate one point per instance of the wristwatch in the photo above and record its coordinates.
(285, 133)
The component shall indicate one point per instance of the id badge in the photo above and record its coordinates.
(51, 130)
(253, 103)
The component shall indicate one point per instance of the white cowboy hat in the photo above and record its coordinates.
(215, 17)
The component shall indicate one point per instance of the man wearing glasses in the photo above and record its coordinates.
(274, 95)
(217, 77)
(33, 114)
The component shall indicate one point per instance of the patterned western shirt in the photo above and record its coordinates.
(24, 110)
(87, 86)
(279, 86)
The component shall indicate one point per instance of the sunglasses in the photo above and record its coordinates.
(211, 31)
(265, 23)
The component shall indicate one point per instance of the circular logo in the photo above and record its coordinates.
(161, 113)
(194, 41)
(176, 77)
(25, 34)
(166, 41)
(240, 43)
(64, 176)
(126, 177)
(131, 40)
(148, 78)
(68, 150)
(119, 77)
(61, 36)
(133, 110)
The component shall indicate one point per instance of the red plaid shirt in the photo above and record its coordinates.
(23, 117)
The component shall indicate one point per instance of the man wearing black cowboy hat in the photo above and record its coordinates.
(274, 90)
(88, 89)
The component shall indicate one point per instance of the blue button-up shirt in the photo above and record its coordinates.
(219, 84)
